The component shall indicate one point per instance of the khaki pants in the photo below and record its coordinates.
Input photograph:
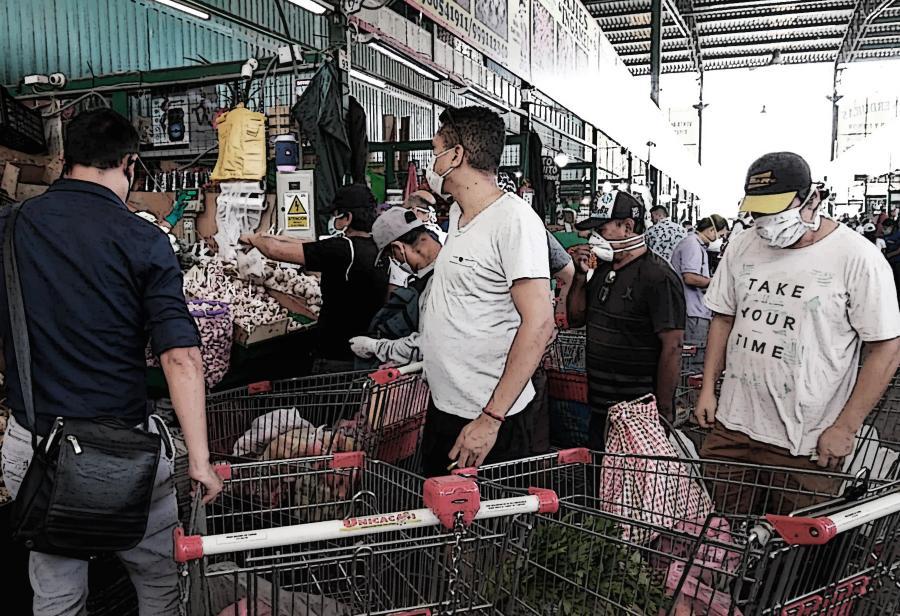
(758, 489)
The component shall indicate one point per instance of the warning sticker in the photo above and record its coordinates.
(297, 215)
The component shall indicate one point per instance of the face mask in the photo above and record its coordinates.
(333, 231)
(432, 215)
(715, 246)
(129, 176)
(606, 249)
(786, 228)
(404, 266)
(436, 180)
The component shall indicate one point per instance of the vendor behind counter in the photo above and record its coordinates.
(354, 286)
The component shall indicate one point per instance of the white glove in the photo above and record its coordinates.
(363, 346)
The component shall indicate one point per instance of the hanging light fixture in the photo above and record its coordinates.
(184, 8)
(561, 160)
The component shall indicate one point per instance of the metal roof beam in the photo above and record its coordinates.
(833, 12)
(682, 11)
(863, 14)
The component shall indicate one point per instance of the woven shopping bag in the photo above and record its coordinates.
(642, 478)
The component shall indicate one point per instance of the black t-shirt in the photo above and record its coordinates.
(353, 289)
(623, 345)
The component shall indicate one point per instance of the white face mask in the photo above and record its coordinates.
(786, 228)
(432, 214)
(404, 266)
(333, 231)
(715, 246)
(436, 180)
(606, 249)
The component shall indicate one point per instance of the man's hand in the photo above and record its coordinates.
(581, 256)
(835, 444)
(705, 411)
(206, 476)
(475, 441)
(363, 346)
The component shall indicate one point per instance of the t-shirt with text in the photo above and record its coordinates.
(800, 317)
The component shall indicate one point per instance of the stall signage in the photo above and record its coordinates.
(499, 29)
(297, 204)
(551, 169)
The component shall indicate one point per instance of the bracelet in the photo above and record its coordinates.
(492, 416)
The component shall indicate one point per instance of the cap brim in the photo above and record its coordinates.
(591, 223)
(767, 204)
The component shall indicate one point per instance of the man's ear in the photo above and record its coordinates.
(629, 225)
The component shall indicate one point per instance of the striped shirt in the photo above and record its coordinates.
(623, 344)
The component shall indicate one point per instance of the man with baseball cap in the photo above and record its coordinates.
(633, 306)
(793, 301)
(393, 333)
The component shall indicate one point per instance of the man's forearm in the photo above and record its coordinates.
(184, 375)
(576, 300)
(524, 356)
(280, 248)
(879, 366)
(696, 280)
(716, 342)
(668, 372)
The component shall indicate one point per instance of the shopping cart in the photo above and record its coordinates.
(741, 553)
(343, 535)
(381, 413)
(567, 389)
(688, 387)
(878, 441)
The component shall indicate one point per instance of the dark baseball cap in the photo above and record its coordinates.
(615, 205)
(773, 181)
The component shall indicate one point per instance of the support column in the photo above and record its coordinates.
(655, 49)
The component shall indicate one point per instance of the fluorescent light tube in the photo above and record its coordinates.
(367, 78)
(419, 68)
(172, 4)
(311, 5)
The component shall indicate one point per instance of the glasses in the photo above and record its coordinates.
(607, 286)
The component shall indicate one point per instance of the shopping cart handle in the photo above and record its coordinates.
(817, 531)
(223, 470)
(447, 497)
(389, 375)
(187, 547)
(695, 381)
(549, 501)
(578, 455)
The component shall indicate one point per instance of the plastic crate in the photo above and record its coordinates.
(569, 423)
(571, 386)
(21, 128)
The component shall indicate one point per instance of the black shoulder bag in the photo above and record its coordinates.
(88, 487)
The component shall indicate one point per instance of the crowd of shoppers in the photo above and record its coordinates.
(781, 323)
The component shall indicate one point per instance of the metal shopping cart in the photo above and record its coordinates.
(743, 553)
(381, 413)
(341, 534)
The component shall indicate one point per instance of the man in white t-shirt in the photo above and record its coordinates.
(794, 299)
(488, 316)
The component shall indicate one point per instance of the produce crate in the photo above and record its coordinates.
(21, 128)
(266, 331)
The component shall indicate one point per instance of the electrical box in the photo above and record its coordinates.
(296, 209)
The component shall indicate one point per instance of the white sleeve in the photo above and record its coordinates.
(401, 351)
(522, 244)
(872, 305)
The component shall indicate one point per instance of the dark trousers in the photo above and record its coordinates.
(514, 440)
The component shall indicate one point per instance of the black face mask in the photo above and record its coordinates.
(129, 175)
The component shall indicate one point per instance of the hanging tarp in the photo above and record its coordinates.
(242, 145)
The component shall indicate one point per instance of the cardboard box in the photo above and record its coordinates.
(293, 303)
(22, 181)
(260, 333)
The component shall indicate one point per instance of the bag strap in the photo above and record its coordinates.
(18, 324)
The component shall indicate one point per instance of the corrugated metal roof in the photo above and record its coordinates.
(110, 36)
(739, 33)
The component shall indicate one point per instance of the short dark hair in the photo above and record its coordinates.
(480, 132)
(99, 138)
(708, 221)
(412, 236)
(415, 201)
(358, 200)
(659, 208)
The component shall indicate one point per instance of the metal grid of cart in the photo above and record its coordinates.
(380, 413)
(742, 555)
(346, 535)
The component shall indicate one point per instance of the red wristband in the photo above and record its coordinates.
(492, 416)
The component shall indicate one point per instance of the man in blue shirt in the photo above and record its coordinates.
(97, 282)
